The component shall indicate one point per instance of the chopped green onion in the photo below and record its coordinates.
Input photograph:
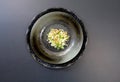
(58, 38)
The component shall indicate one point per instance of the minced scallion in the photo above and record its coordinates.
(58, 38)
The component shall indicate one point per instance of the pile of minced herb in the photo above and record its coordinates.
(58, 38)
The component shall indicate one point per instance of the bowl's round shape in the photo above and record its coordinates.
(42, 51)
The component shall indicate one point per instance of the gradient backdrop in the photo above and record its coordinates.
(101, 60)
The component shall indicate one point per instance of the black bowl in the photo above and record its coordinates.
(42, 51)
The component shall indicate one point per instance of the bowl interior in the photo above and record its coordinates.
(56, 20)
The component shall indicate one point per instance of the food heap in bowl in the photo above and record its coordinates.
(58, 38)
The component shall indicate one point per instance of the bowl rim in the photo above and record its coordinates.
(50, 65)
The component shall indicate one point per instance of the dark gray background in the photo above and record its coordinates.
(101, 60)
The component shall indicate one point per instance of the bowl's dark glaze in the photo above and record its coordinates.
(50, 65)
